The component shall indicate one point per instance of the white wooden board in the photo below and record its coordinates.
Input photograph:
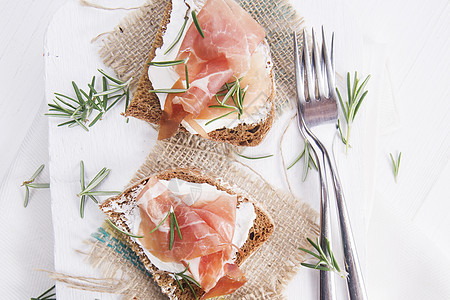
(122, 147)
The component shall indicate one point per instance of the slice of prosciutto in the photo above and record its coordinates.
(207, 229)
(231, 36)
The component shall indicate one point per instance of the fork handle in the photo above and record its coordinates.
(326, 279)
(355, 281)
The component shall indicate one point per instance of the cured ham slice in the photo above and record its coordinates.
(231, 35)
(233, 279)
(205, 85)
(207, 229)
(199, 238)
(172, 115)
(229, 31)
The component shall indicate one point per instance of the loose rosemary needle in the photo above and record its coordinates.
(173, 226)
(254, 157)
(197, 24)
(395, 165)
(30, 184)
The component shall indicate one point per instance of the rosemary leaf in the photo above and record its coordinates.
(98, 117)
(317, 267)
(395, 165)
(127, 98)
(257, 157)
(179, 283)
(197, 24)
(67, 123)
(93, 199)
(168, 91)
(165, 218)
(97, 179)
(220, 117)
(297, 159)
(179, 34)
(223, 106)
(39, 185)
(46, 295)
(186, 75)
(27, 196)
(110, 77)
(101, 193)
(118, 98)
(37, 172)
(105, 88)
(166, 63)
(172, 231)
(124, 232)
(77, 92)
(177, 226)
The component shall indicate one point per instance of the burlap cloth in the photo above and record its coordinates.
(277, 261)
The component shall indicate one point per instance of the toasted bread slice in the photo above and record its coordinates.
(114, 207)
(146, 105)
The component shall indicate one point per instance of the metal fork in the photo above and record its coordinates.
(320, 111)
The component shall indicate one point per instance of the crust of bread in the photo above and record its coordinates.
(260, 232)
(145, 106)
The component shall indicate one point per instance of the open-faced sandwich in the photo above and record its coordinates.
(208, 73)
(191, 233)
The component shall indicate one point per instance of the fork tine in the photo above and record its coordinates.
(309, 73)
(317, 65)
(329, 64)
(298, 72)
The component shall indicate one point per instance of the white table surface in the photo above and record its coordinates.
(405, 216)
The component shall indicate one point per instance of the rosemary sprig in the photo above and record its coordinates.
(355, 97)
(188, 279)
(124, 232)
(396, 165)
(236, 93)
(173, 226)
(87, 190)
(197, 24)
(253, 157)
(79, 108)
(308, 160)
(29, 184)
(46, 295)
(327, 261)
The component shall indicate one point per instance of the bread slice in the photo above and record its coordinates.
(146, 106)
(114, 207)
